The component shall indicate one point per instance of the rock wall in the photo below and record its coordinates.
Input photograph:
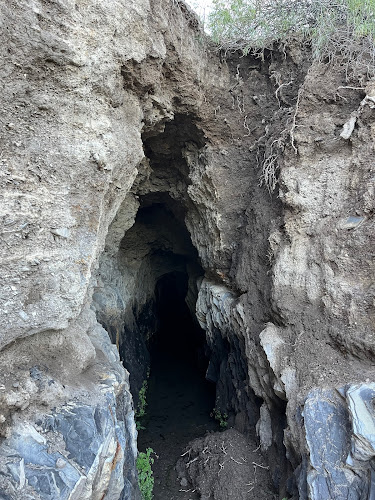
(112, 108)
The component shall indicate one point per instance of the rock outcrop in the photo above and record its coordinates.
(129, 148)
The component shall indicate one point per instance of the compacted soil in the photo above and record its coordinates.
(179, 427)
(179, 405)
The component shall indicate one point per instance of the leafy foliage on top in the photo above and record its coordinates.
(334, 27)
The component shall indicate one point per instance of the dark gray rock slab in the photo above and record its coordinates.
(340, 436)
(84, 449)
(91, 451)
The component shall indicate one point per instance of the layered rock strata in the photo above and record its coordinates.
(128, 149)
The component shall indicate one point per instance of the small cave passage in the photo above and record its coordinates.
(179, 399)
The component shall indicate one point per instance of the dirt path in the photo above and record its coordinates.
(179, 405)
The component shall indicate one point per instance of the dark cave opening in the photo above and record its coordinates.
(158, 254)
(179, 399)
(178, 332)
(146, 300)
(161, 336)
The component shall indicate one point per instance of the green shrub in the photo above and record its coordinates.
(141, 410)
(145, 474)
(333, 27)
(221, 418)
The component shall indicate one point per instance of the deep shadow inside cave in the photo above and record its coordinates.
(178, 334)
(157, 330)
(179, 398)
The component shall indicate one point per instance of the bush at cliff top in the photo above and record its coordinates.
(334, 27)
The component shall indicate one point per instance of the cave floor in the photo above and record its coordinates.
(179, 403)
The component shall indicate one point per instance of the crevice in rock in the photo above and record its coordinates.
(165, 296)
(169, 253)
(179, 400)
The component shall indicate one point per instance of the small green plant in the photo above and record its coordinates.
(139, 426)
(145, 475)
(141, 410)
(221, 418)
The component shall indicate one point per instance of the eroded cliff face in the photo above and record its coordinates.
(130, 150)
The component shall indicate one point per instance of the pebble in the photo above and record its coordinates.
(60, 463)
(23, 315)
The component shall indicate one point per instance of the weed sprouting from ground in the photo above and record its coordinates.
(221, 418)
(145, 475)
(142, 404)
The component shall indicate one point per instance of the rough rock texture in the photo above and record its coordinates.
(128, 149)
(340, 438)
(86, 445)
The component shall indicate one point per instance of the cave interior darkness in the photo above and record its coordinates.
(170, 345)
(168, 335)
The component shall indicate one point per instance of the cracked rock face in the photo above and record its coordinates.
(340, 438)
(128, 149)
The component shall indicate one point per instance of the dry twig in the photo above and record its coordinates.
(294, 121)
(261, 466)
(191, 461)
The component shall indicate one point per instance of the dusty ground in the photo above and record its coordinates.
(225, 466)
(217, 465)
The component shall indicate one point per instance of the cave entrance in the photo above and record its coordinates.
(179, 398)
(145, 297)
(146, 300)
